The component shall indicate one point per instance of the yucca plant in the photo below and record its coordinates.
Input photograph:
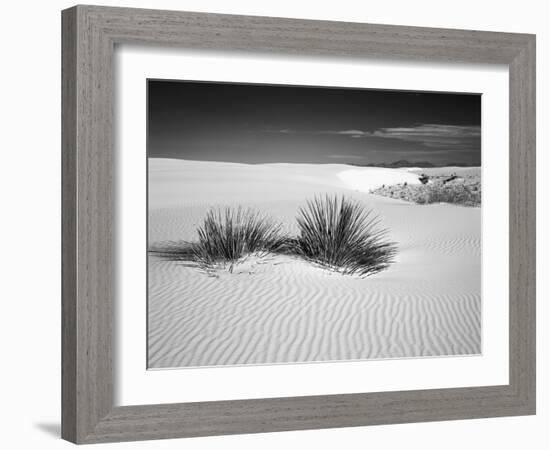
(335, 232)
(341, 234)
(225, 236)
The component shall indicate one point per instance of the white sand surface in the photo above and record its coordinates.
(367, 178)
(283, 310)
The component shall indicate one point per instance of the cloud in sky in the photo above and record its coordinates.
(433, 135)
(429, 135)
(345, 156)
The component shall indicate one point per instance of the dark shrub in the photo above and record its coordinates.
(225, 236)
(341, 234)
(334, 232)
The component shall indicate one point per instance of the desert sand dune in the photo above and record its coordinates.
(281, 309)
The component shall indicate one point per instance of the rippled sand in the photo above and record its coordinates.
(279, 309)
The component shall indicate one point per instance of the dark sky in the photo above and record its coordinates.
(258, 123)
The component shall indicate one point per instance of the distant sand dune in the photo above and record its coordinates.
(280, 309)
(368, 178)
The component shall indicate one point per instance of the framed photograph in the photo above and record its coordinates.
(278, 224)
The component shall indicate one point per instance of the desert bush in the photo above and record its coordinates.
(225, 236)
(333, 232)
(438, 192)
(459, 194)
(341, 234)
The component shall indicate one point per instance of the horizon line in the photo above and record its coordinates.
(420, 163)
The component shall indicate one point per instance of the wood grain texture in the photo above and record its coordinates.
(68, 225)
(89, 36)
(523, 223)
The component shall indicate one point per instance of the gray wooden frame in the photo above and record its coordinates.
(89, 36)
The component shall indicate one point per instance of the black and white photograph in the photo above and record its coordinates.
(295, 224)
(275, 225)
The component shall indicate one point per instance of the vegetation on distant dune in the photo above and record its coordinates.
(342, 235)
(333, 232)
(465, 191)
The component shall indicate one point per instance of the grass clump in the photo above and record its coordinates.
(343, 235)
(227, 235)
(334, 232)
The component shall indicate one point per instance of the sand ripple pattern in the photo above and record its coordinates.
(284, 310)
